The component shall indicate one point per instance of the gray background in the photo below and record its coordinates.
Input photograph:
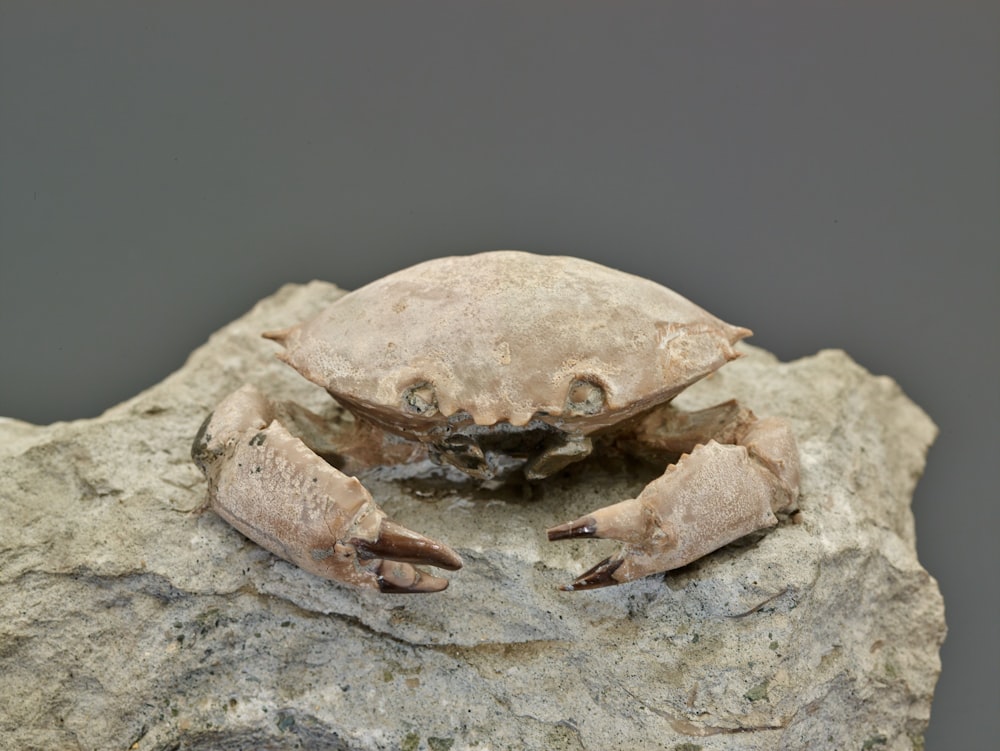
(827, 174)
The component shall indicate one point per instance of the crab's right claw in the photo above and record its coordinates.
(395, 549)
(711, 497)
(271, 487)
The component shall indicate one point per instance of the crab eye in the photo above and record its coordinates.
(420, 400)
(584, 398)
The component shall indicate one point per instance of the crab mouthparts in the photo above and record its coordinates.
(497, 451)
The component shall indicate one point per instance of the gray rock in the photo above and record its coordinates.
(129, 619)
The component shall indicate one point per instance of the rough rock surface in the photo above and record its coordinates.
(129, 620)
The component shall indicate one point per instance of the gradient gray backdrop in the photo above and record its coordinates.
(825, 173)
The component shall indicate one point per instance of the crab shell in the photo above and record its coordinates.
(507, 337)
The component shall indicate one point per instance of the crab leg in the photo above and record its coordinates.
(273, 488)
(716, 493)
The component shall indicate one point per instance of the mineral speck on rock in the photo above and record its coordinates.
(129, 619)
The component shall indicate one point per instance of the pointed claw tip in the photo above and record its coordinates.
(601, 575)
(584, 527)
(402, 578)
(420, 586)
(397, 543)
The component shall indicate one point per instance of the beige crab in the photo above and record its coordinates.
(497, 363)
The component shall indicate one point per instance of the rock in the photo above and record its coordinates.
(129, 619)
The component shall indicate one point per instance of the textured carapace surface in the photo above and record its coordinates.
(505, 336)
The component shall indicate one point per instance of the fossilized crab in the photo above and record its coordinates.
(497, 363)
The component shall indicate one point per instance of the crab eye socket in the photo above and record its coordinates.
(584, 398)
(420, 399)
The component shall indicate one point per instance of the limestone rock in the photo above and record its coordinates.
(130, 620)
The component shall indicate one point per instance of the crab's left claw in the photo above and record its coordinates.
(711, 497)
(274, 489)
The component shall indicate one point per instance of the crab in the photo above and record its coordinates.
(501, 364)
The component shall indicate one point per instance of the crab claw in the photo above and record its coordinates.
(271, 487)
(712, 496)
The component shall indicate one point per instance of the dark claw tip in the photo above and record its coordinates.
(396, 543)
(404, 579)
(601, 575)
(418, 587)
(585, 527)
